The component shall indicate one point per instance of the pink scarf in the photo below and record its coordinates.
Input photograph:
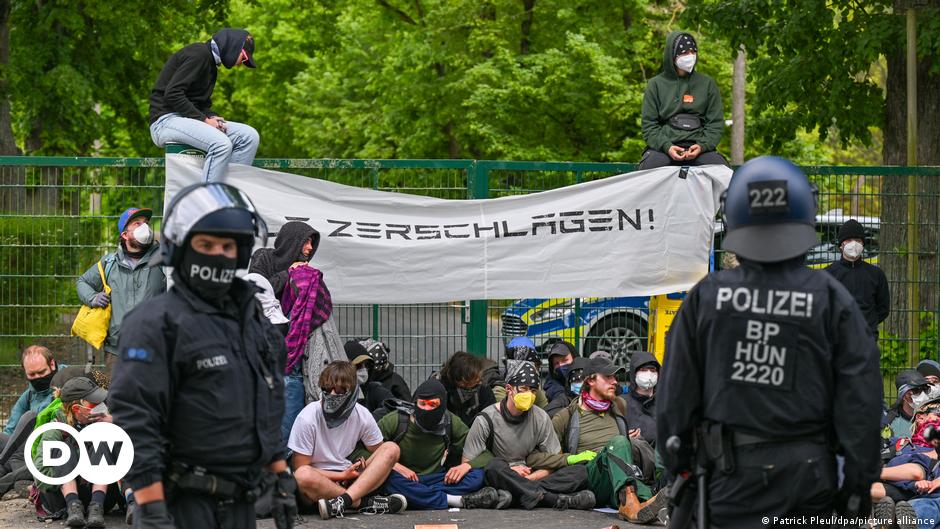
(309, 305)
(596, 405)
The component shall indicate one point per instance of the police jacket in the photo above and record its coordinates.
(778, 351)
(868, 285)
(200, 385)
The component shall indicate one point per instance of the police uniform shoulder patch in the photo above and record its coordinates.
(137, 354)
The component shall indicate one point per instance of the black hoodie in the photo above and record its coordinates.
(273, 263)
(641, 410)
(186, 82)
(392, 382)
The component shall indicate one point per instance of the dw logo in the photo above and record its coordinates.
(105, 453)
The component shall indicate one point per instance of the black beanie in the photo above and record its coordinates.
(852, 229)
(684, 44)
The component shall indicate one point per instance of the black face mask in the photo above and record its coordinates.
(337, 408)
(209, 276)
(42, 383)
(431, 421)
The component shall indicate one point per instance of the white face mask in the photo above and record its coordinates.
(362, 376)
(852, 250)
(686, 63)
(143, 234)
(918, 400)
(933, 391)
(647, 379)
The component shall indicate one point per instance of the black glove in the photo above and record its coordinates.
(284, 501)
(152, 515)
(853, 502)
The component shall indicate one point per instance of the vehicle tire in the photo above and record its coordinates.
(619, 335)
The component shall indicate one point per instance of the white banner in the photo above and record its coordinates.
(636, 234)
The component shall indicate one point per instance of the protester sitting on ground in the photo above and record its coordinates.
(641, 401)
(621, 466)
(295, 245)
(125, 270)
(466, 394)
(912, 392)
(573, 381)
(518, 350)
(181, 103)
(560, 356)
(430, 472)
(324, 434)
(81, 405)
(382, 370)
(372, 395)
(931, 371)
(524, 447)
(269, 303)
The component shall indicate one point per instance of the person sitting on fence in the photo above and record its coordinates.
(125, 270)
(372, 395)
(518, 350)
(430, 472)
(325, 434)
(913, 390)
(181, 103)
(382, 370)
(595, 429)
(81, 399)
(40, 366)
(524, 447)
(461, 376)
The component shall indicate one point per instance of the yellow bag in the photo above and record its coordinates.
(91, 324)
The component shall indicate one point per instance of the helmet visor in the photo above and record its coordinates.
(202, 201)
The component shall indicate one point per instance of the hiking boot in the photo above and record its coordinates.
(76, 514)
(883, 513)
(331, 508)
(633, 511)
(129, 512)
(505, 498)
(485, 498)
(582, 501)
(904, 515)
(95, 516)
(392, 504)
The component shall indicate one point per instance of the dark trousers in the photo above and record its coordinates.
(54, 502)
(430, 492)
(197, 510)
(782, 480)
(528, 494)
(653, 159)
(16, 455)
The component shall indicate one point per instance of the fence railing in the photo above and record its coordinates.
(58, 216)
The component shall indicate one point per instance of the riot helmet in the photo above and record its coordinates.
(769, 210)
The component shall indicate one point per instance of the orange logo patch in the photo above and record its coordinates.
(688, 98)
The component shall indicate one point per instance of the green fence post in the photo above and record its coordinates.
(478, 186)
(182, 148)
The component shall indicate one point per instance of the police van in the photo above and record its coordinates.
(621, 325)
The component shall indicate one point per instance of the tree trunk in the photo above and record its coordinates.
(893, 237)
(12, 199)
(528, 17)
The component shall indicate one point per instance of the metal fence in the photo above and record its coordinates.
(58, 216)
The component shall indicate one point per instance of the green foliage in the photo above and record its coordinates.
(895, 350)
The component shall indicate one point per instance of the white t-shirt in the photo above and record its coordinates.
(328, 447)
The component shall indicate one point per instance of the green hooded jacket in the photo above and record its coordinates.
(667, 94)
(131, 283)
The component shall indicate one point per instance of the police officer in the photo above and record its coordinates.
(198, 384)
(774, 365)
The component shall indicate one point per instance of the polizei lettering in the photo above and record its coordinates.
(784, 303)
(560, 223)
(208, 273)
(215, 361)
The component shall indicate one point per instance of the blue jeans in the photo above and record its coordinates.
(928, 512)
(430, 492)
(238, 144)
(293, 401)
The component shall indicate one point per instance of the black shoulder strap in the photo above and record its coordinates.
(402, 429)
(574, 431)
(489, 437)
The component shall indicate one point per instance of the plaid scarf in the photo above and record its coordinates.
(309, 304)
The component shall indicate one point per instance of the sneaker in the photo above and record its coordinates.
(485, 498)
(883, 513)
(331, 508)
(95, 516)
(582, 501)
(129, 512)
(632, 510)
(76, 514)
(904, 515)
(505, 498)
(392, 504)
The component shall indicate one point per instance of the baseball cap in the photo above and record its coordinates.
(80, 388)
(908, 380)
(601, 354)
(250, 51)
(356, 352)
(561, 348)
(131, 214)
(601, 366)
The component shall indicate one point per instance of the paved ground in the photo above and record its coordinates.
(17, 514)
